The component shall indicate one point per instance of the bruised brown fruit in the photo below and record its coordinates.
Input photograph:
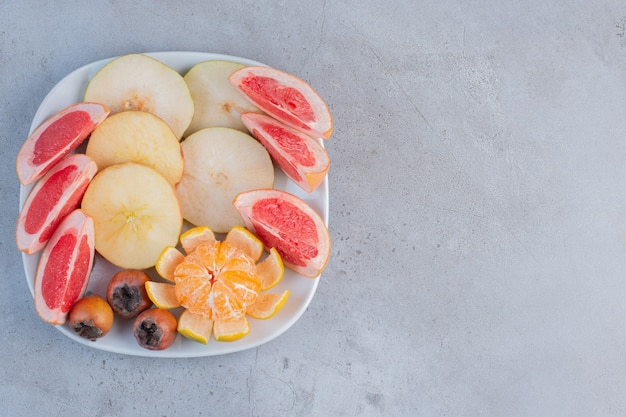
(155, 329)
(91, 317)
(127, 294)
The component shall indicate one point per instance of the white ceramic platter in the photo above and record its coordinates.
(120, 339)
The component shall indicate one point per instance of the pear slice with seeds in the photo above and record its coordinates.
(219, 164)
(216, 102)
(137, 136)
(135, 212)
(140, 82)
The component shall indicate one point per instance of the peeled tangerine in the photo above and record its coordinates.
(137, 136)
(217, 283)
(285, 222)
(140, 82)
(57, 137)
(285, 98)
(216, 102)
(302, 158)
(220, 163)
(136, 214)
(64, 268)
(53, 197)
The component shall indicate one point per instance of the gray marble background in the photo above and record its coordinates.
(478, 210)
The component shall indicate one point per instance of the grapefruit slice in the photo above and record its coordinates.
(137, 136)
(136, 214)
(56, 195)
(57, 137)
(64, 267)
(302, 158)
(220, 163)
(140, 82)
(285, 222)
(216, 102)
(286, 98)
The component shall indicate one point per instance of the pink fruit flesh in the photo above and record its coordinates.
(295, 230)
(60, 133)
(64, 267)
(56, 138)
(55, 273)
(286, 100)
(280, 160)
(53, 197)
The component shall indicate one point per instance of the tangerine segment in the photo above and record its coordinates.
(195, 326)
(245, 240)
(162, 295)
(267, 305)
(217, 281)
(195, 236)
(230, 330)
(167, 262)
(270, 270)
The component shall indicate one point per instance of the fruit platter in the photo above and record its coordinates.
(217, 181)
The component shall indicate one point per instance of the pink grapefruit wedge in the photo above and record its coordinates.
(286, 98)
(58, 193)
(64, 267)
(57, 137)
(302, 158)
(284, 221)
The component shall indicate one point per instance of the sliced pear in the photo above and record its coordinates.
(215, 100)
(140, 82)
(137, 136)
(219, 164)
(136, 214)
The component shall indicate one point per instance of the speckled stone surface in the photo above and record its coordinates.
(477, 210)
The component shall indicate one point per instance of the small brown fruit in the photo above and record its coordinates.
(155, 329)
(91, 317)
(127, 294)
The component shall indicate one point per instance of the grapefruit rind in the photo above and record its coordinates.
(301, 158)
(59, 202)
(79, 228)
(248, 204)
(253, 82)
(28, 171)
